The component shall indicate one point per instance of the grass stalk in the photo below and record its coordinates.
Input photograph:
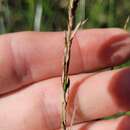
(72, 6)
(38, 16)
(126, 23)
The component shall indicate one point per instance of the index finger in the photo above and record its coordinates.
(28, 57)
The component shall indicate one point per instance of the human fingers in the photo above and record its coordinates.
(28, 57)
(91, 97)
(122, 123)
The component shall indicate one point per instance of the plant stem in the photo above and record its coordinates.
(72, 6)
(126, 23)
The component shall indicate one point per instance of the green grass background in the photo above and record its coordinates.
(18, 15)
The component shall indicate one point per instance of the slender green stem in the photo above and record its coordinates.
(126, 23)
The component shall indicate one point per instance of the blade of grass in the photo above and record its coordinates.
(38, 15)
(126, 23)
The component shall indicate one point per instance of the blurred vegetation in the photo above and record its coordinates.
(48, 15)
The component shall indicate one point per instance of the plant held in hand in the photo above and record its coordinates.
(69, 35)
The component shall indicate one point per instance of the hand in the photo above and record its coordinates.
(30, 83)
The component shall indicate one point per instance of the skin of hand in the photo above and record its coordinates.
(30, 83)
